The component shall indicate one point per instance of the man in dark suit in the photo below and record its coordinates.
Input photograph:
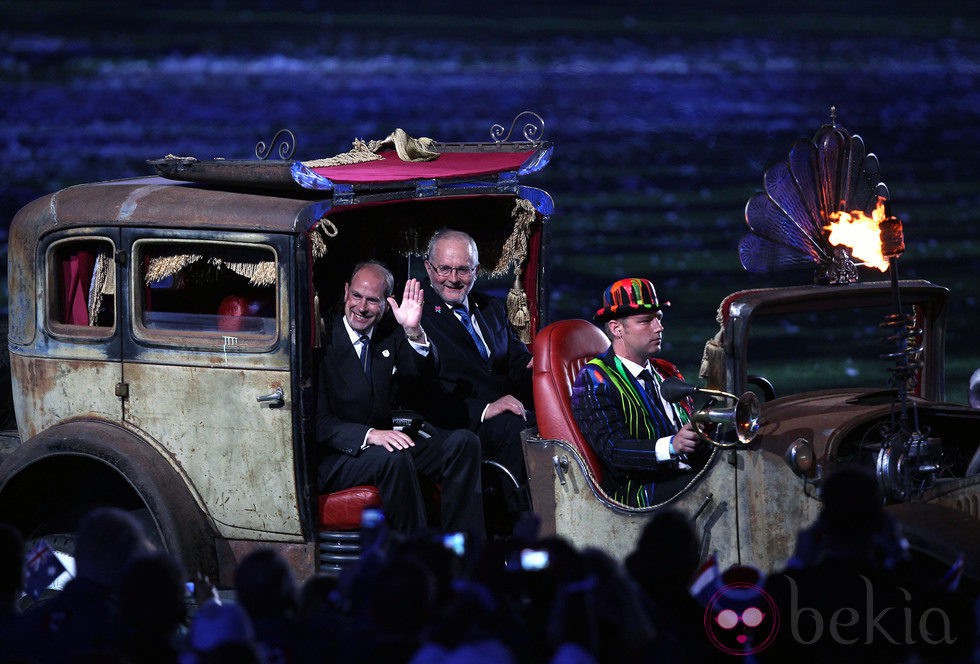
(647, 446)
(365, 360)
(484, 370)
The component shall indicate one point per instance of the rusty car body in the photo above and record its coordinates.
(750, 501)
(753, 496)
(138, 384)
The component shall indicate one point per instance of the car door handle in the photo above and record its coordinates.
(276, 400)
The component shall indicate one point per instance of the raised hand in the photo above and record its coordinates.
(409, 313)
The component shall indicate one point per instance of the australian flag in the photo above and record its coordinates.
(41, 567)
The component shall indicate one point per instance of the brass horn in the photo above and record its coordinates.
(742, 416)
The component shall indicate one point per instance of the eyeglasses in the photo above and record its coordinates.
(446, 270)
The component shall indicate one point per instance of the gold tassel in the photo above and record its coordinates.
(319, 233)
(713, 360)
(514, 250)
(518, 311)
(408, 149)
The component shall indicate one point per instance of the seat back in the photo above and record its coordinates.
(560, 351)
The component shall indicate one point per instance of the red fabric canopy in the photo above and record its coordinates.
(449, 165)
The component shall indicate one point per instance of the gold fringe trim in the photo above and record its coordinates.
(258, 274)
(359, 153)
(408, 149)
(103, 283)
(162, 267)
(262, 273)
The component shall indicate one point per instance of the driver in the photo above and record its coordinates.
(647, 447)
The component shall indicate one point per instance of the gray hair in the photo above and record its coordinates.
(451, 234)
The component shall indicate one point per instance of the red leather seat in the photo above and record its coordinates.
(560, 350)
(341, 510)
(339, 519)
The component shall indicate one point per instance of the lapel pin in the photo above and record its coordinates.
(438, 309)
(385, 353)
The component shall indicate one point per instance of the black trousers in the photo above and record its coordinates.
(451, 459)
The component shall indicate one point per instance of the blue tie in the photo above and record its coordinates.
(365, 355)
(649, 383)
(464, 317)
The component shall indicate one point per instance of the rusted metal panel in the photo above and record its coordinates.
(583, 518)
(82, 448)
(157, 202)
(53, 390)
(21, 277)
(773, 506)
(301, 557)
(538, 458)
(237, 452)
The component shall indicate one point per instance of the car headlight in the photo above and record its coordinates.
(799, 456)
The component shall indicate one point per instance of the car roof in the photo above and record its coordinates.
(283, 196)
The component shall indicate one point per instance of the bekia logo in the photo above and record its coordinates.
(741, 618)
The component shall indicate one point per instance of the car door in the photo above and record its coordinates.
(206, 371)
(70, 368)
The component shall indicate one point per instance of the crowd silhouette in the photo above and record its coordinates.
(520, 600)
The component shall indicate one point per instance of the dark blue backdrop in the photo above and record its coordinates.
(663, 117)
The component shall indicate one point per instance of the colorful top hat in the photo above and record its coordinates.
(627, 297)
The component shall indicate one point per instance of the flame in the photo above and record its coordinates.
(861, 234)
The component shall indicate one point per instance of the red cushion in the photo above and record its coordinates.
(560, 350)
(341, 510)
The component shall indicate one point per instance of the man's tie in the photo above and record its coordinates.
(464, 317)
(650, 385)
(365, 355)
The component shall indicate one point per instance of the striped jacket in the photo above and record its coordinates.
(618, 419)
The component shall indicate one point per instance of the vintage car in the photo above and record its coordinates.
(164, 332)
(879, 343)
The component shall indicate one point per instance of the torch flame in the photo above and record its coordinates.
(861, 234)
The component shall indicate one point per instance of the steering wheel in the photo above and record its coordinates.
(764, 385)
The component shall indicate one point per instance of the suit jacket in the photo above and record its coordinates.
(466, 382)
(347, 404)
(597, 405)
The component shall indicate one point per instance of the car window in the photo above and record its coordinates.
(81, 289)
(205, 293)
(810, 350)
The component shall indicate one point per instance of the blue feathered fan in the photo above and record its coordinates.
(828, 186)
